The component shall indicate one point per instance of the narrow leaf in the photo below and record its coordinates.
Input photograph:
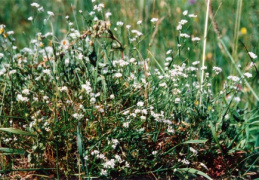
(15, 131)
(194, 171)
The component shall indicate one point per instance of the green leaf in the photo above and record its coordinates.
(15, 131)
(12, 151)
(195, 141)
(194, 171)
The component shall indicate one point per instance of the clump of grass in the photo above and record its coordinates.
(91, 105)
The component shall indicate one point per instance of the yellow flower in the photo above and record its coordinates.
(209, 108)
(1, 30)
(41, 45)
(243, 30)
(196, 103)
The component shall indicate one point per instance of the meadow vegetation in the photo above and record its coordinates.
(117, 89)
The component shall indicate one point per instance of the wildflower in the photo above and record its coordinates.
(237, 99)
(233, 78)
(217, 69)
(139, 22)
(64, 88)
(196, 39)
(243, 30)
(126, 124)
(128, 26)
(65, 44)
(192, 15)
(117, 75)
(112, 96)
(170, 129)
(185, 12)
(30, 18)
(109, 164)
(86, 157)
(177, 100)
(154, 152)
(78, 116)
(195, 63)
(1, 55)
(143, 117)
(10, 32)
(13, 71)
(184, 35)
(108, 14)
(50, 13)
(92, 100)
(154, 20)
(248, 75)
(140, 104)
(103, 172)
(183, 21)
(252, 55)
(35, 5)
(21, 98)
(169, 59)
(119, 23)
(41, 9)
(26, 91)
(193, 151)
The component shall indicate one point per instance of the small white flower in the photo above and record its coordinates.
(154, 20)
(139, 22)
(192, 15)
(128, 26)
(117, 75)
(193, 151)
(50, 13)
(26, 91)
(140, 104)
(154, 152)
(1, 55)
(177, 100)
(30, 18)
(185, 12)
(195, 63)
(119, 23)
(248, 75)
(126, 124)
(112, 96)
(196, 39)
(108, 14)
(64, 88)
(252, 55)
(35, 5)
(237, 99)
(78, 116)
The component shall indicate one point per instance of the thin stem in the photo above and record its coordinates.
(204, 47)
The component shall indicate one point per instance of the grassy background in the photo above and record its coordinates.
(14, 14)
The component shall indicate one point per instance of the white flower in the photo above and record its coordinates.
(193, 151)
(195, 63)
(248, 75)
(177, 100)
(169, 51)
(21, 98)
(234, 78)
(41, 9)
(120, 23)
(103, 172)
(1, 55)
(128, 26)
(26, 91)
(30, 18)
(169, 59)
(78, 116)
(196, 39)
(185, 12)
(139, 22)
(140, 104)
(126, 124)
(154, 152)
(65, 43)
(183, 21)
(66, 61)
(252, 55)
(64, 88)
(50, 13)
(46, 71)
(184, 35)
(192, 15)
(117, 75)
(217, 69)
(87, 87)
(143, 117)
(92, 100)
(112, 96)
(237, 99)
(35, 5)
(108, 14)
(12, 71)
(109, 164)
(154, 20)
